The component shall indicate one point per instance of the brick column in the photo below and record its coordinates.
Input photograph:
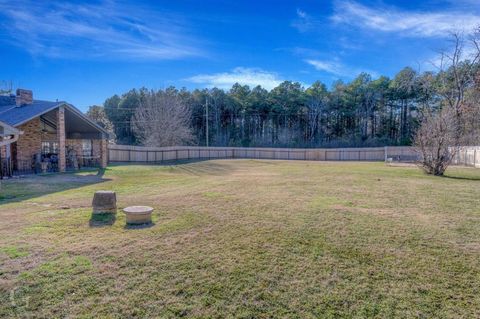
(103, 152)
(62, 161)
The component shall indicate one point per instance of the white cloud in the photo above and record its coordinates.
(245, 76)
(337, 68)
(328, 66)
(301, 14)
(107, 29)
(303, 22)
(408, 23)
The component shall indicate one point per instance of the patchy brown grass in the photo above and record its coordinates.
(245, 238)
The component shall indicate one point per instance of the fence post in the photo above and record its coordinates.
(1, 165)
(386, 154)
(129, 155)
(9, 164)
(474, 157)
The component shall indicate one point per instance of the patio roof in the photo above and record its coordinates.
(6, 129)
(8, 134)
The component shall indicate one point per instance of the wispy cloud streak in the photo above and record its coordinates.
(407, 23)
(244, 76)
(337, 68)
(303, 22)
(105, 29)
(328, 66)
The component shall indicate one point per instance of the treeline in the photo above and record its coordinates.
(363, 112)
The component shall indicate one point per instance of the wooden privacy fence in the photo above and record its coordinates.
(468, 156)
(126, 153)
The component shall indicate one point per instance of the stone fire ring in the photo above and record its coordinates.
(138, 215)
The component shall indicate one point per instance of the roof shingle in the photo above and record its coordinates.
(16, 115)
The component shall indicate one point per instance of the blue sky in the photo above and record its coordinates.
(84, 52)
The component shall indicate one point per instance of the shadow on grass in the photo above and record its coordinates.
(141, 226)
(465, 174)
(162, 163)
(32, 186)
(102, 220)
(465, 178)
(203, 166)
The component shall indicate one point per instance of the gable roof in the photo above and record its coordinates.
(15, 115)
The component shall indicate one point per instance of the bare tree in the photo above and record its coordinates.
(457, 123)
(472, 103)
(437, 141)
(457, 71)
(471, 113)
(162, 119)
(97, 114)
(316, 103)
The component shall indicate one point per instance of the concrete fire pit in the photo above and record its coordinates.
(104, 202)
(138, 215)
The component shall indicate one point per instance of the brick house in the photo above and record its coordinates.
(56, 136)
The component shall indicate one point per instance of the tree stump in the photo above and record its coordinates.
(104, 202)
(138, 215)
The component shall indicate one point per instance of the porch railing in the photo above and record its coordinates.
(83, 162)
(5, 167)
(8, 168)
(90, 162)
(23, 167)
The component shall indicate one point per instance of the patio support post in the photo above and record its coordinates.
(62, 161)
(103, 152)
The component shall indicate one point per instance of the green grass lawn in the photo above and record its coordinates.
(245, 239)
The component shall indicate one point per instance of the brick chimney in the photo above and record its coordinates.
(23, 97)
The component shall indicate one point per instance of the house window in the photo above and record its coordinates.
(87, 149)
(49, 148)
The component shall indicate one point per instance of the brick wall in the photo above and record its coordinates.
(104, 153)
(97, 148)
(62, 164)
(30, 142)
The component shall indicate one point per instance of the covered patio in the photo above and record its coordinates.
(57, 137)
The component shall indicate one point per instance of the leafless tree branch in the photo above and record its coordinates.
(162, 119)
